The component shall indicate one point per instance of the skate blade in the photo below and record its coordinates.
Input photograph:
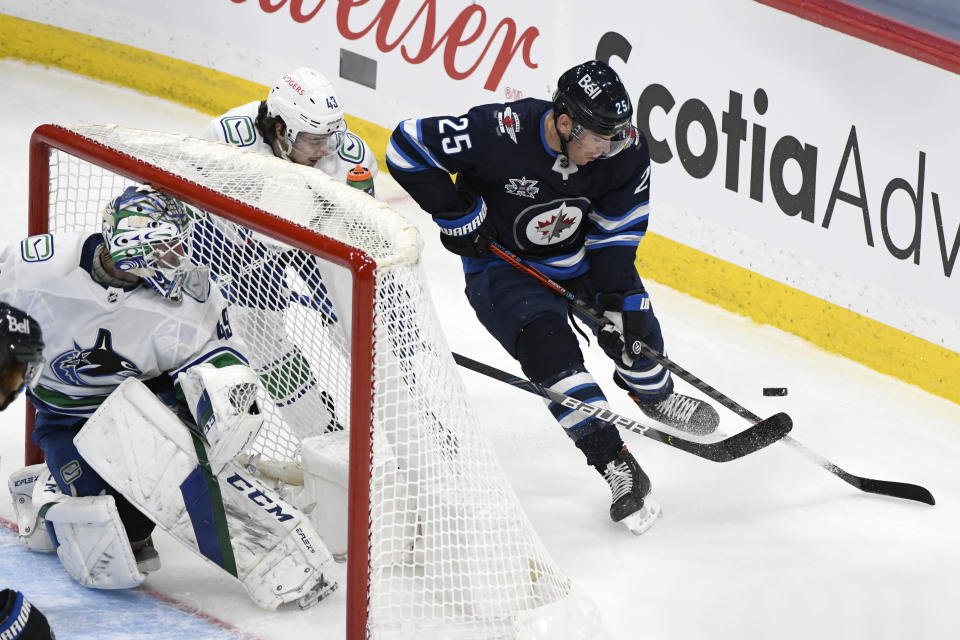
(318, 593)
(149, 565)
(639, 521)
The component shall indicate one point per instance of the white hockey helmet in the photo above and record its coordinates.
(307, 103)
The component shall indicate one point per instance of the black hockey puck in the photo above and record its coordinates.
(774, 391)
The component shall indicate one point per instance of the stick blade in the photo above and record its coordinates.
(760, 435)
(903, 490)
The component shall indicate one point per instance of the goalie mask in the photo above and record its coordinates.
(599, 105)
(147, 234)
(306, 102)
(21, 353)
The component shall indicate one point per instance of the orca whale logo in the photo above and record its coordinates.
(97, 366)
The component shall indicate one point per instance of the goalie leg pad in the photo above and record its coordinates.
(293, 567)
(231, 520)
(91, 542)
(31, 488)
(223, 402)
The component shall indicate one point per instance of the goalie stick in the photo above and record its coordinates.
(891, 488)
(763, 433)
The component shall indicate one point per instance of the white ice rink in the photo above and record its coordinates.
(771, 546)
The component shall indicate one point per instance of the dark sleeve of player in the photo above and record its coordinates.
(618, 221)
(422, 153)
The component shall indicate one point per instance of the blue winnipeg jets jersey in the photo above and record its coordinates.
(563, 219)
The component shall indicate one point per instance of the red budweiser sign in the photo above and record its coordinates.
(470, 26)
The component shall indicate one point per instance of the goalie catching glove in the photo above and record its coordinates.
(223, 403)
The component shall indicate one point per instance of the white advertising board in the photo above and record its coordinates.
(797, 152)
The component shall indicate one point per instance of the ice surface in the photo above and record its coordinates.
(770, 546)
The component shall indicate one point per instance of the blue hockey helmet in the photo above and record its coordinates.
(21, 342)
(594, 97)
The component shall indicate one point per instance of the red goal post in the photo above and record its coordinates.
(47, 137)
(437, 544)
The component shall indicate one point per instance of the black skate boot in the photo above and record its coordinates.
(632, 503)
(678, 411)
(146, 555)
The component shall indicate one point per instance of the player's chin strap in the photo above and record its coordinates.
(564, 158)
(284, 153)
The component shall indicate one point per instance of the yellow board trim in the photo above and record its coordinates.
(838, 330)
(831, 327)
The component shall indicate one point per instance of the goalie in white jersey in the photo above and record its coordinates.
(302, 121)
(143, 403)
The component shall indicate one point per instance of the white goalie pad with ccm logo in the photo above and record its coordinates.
(231, 519)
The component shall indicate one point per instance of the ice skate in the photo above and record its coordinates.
(678, 411)
(146, 555)
(321, 590)
(632, 505)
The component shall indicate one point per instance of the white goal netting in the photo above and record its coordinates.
(448, 550)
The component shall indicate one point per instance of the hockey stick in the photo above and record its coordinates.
(758, 436)
(903, 490)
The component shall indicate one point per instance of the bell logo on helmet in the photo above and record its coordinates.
(591, 88)
(18, 326)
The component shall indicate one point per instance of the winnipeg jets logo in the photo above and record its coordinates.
(522, 187)
(554, 226)
(98, 365)
(508, 123)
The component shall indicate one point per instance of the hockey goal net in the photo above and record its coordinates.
(324, 285)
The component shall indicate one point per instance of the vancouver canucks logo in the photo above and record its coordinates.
(96, 366)
(522, 187)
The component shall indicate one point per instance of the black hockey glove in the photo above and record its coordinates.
(637, 322)
(469, 235)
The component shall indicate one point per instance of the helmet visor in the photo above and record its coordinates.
(595, 145)
(21, 374)
(31, 372)
(311, 148)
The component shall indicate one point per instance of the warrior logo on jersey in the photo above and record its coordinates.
(508, 123)
(555, 223)
(522, 187)
(96, 366)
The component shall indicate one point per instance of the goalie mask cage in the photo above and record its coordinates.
(324, 285)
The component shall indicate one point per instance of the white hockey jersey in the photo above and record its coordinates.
(96, 336)
(237, 127)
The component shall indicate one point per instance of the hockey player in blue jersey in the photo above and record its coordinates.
(565, 185)
(21, 353)
(21, 360)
